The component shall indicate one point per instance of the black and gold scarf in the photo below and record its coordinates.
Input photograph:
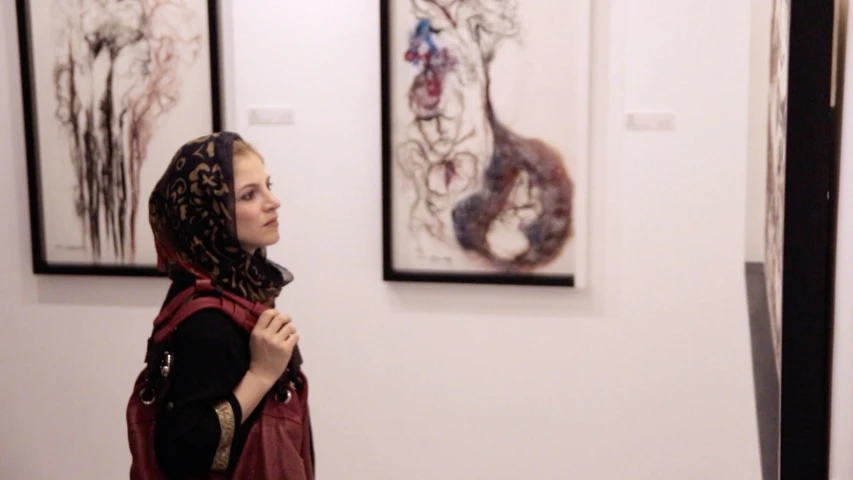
(191, 212)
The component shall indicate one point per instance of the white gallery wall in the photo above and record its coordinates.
(645, 375)
(759, 100)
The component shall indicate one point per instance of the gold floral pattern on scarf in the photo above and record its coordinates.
(191, 212)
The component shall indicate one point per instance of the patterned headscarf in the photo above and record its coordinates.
(191, 212)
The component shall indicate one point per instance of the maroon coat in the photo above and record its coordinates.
(278, 445)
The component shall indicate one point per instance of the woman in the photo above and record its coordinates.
(213, 215)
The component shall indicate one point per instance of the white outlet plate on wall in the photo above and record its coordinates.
(650, 121)
(271, 115)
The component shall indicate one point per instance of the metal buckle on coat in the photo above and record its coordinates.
(287, 395)
(149, 400)
(148, 394)
(166, 365)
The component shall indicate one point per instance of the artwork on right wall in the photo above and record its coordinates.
(765, 241)
(775, 201)
(790, 242)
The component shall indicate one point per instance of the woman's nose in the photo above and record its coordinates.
(274, 201)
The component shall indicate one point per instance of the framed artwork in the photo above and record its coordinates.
(790, 279)
(485, 140)
(111, 90)
(776, 135)
(766, 170)
(807, 266)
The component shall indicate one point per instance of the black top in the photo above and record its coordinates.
(210, 356)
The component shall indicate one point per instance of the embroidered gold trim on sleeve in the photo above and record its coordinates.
(226, 436)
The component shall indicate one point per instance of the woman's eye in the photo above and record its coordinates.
(248, 196)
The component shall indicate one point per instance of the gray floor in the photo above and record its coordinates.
(764, 367)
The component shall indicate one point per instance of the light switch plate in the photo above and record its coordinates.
(270, 114)
(650, 121)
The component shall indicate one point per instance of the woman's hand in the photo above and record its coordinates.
(271, 345)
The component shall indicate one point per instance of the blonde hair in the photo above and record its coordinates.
(241, 149)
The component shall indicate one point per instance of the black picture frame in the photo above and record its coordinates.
(391, 272)
(40, 262)
(809, 244)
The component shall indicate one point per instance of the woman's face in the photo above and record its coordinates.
(255, 205)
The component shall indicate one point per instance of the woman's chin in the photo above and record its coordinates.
(268, 240)
(273, 239)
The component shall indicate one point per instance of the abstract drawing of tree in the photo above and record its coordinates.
(116, 73)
